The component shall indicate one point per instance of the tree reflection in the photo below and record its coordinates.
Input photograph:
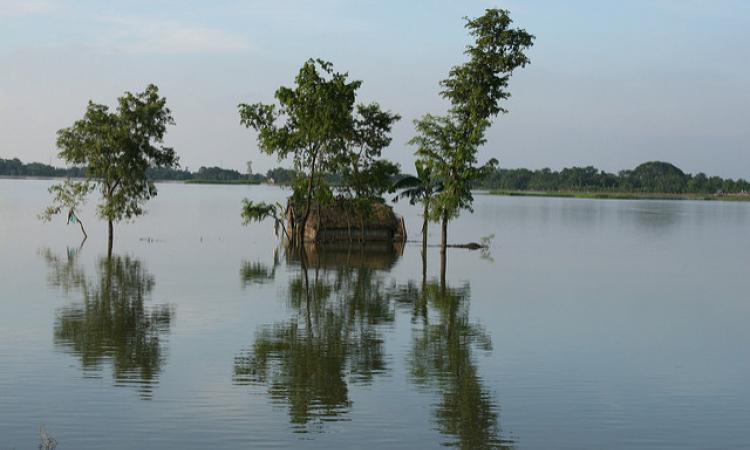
(65, 273)
(113, 324)
(258, 273)
(333, 339)
(442, 358)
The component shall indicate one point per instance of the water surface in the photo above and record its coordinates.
(588, 324)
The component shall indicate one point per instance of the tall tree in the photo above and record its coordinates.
(309, 123)
(475, 90)
(117, 147)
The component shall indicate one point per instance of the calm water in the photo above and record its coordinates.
(589, 324)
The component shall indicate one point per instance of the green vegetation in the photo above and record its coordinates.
(202, 181)
(648, 180)
(623, 195)
(15, 168)
(319, 126)
(68, 195)
(450, 143)
(115, 149)
(420, 189)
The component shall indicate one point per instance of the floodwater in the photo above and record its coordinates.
(588, 324)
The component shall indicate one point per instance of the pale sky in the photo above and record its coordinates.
(612, 83)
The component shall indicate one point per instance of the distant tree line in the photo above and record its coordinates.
(15, 168)
(650, 177)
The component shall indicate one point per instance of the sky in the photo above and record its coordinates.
(611, 83)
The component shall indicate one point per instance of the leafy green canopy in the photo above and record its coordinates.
(317, 124)
(116, 148)
(474, 89)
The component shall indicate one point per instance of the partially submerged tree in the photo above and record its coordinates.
(116, 148)
(318, 125)
(451, 142)
(67, 197)
(308, 124)
(420, 189)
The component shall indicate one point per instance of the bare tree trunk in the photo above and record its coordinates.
(443, 245)
(85, 236)
(444, 237)
(425, 224)
(111, 237)
(308, 202)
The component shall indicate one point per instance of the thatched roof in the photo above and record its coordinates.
(342, 214)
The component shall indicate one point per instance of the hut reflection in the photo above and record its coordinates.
(112, 324)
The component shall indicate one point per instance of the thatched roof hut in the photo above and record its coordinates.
(343, 222)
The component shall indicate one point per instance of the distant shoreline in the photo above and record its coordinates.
(623, 195)
(245, 182)
(220, 182)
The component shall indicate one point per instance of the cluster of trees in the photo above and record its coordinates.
(650, 177)
(334, 141)
(318, 124)
(15, 168)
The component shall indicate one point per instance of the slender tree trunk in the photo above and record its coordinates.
(444, 237)
(308, 202)
(111, 237)
(443, 248)
(425, 224)
(85, 236)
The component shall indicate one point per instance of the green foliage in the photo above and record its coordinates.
(282, 176)
(117, 148)
(451, 142)
(66, 196)
(310, 120)
(652, 177)
(317, 124)
(258, 212)
(363, 174)
(15, 168)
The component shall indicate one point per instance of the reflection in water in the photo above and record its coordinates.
(66, 273)
(442, 358)
(112, 323)
(334, 340)
(257, 272)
